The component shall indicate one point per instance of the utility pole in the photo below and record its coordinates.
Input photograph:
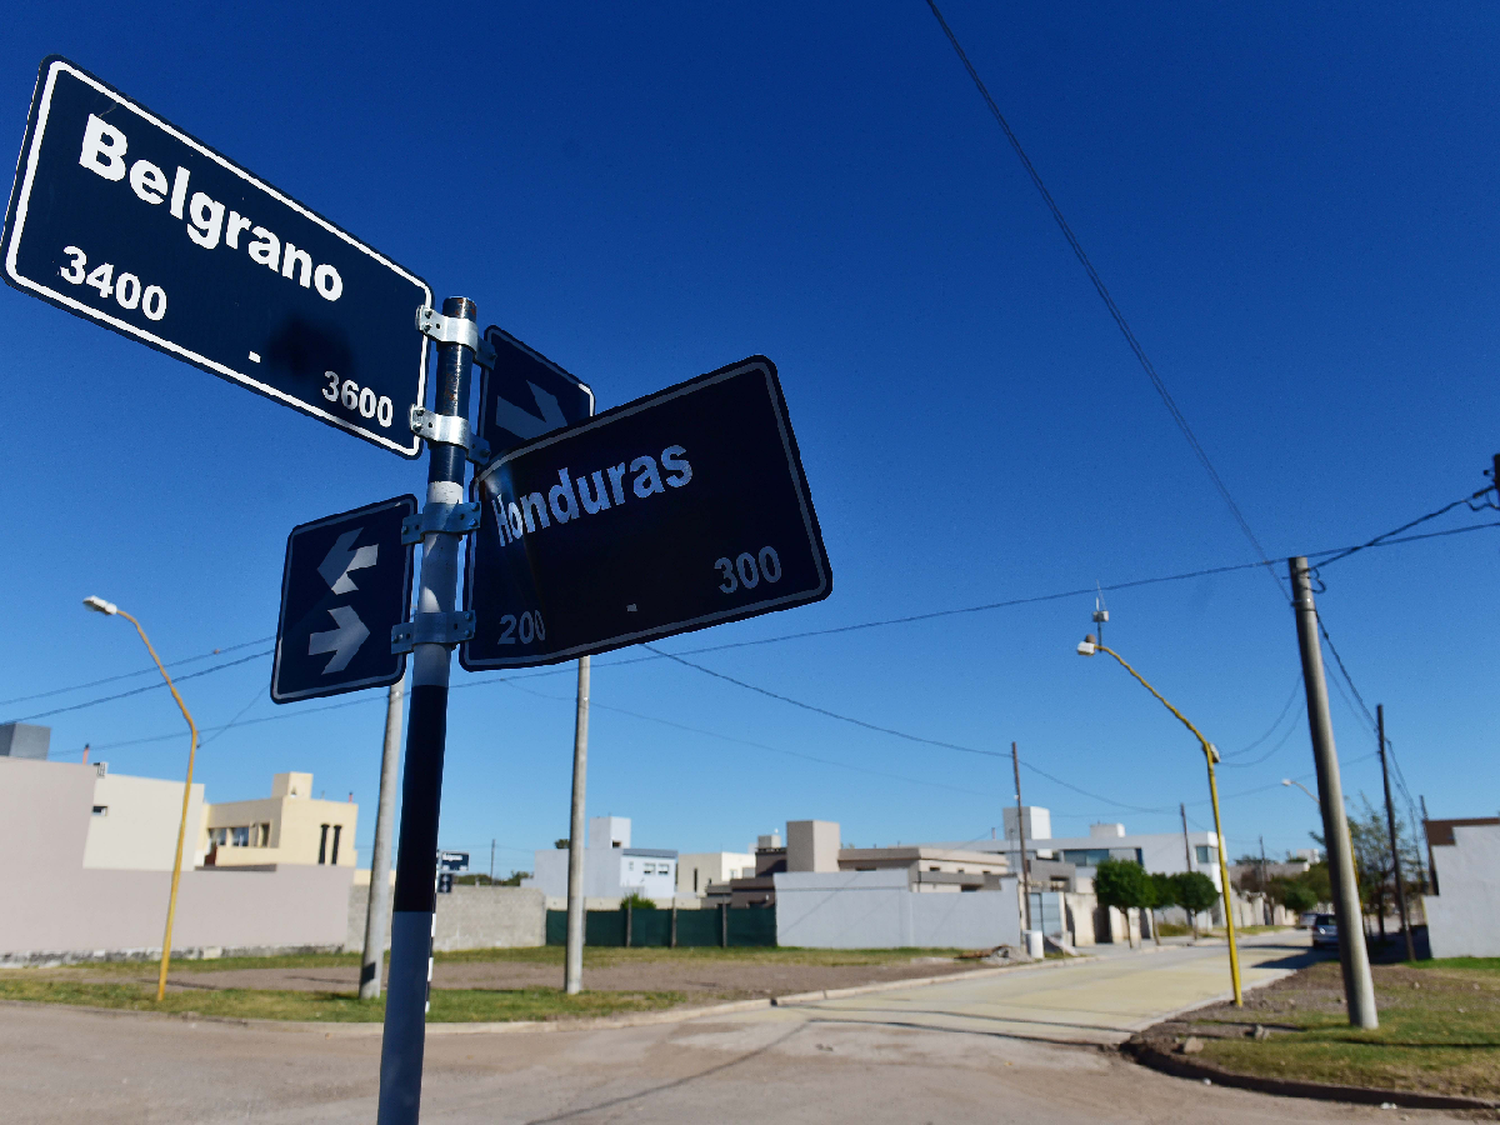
(1015, 764)
(1359, 989)
(1187, 845)
(1429, 876)
(1390, 820)
(436, 620)
(1264, 888)
(573, 958)
(378, 907)
(492, 862)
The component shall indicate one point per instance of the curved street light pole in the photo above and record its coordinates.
(99, 605)
(1210, 756)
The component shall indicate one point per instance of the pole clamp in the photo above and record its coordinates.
(455, 330)
(432, 629)
(449, 429)
(443, 519)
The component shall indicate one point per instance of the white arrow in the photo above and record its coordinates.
(341, 560)
(526, 425)
(343, 642)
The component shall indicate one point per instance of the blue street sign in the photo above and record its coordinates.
(347, 582)
(453, 861)
(683, 509)
(526, 395)
(119, 217)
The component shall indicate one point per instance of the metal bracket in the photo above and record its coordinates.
(456, 330)
(449, 429)
(445, 519)
(432, 629)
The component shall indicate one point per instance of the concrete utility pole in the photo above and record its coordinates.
(1015, 764)
(1187, 845)
(573, 959)
(1390, 820)
(1359, 989)
(1265, 894)
(378, 906)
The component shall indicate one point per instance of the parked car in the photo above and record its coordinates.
(1325, 931)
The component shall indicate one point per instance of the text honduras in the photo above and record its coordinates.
(589, 493)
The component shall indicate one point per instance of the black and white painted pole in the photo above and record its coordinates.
(435, 628)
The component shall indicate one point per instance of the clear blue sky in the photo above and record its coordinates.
(1296, 208)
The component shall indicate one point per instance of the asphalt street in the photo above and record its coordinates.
(1026, 1045)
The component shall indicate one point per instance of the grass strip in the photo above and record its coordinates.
(1439, 1030)
(450, 1005)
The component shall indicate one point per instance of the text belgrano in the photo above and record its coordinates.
(103, 153)
(589, 493)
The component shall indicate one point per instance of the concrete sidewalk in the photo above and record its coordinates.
(1099, 1000)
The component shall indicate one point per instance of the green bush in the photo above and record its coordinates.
(637, 901)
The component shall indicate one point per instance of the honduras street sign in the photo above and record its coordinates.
(526, 395)
(119, 217)
(680, 510)
(347, 582)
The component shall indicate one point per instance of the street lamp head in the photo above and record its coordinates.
(1286, 781)
(1088, 646)
(99, 605)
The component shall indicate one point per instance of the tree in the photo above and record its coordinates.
(1163, 895)
(637, 901)
(1297, 897)
(1375, 872)
(1195, 893)
(563, 844)
(1123, 884)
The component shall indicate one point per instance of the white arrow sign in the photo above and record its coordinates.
(343, 642)
(341, 560)
(526, 425)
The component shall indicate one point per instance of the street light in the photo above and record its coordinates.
(1313, 796)
(1091, 645)
(109, 609)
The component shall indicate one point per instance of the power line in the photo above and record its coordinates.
(1296, 686)
(151, 671)
(141, 690)
(881, 623)
(1344, 554)
(1109, 302)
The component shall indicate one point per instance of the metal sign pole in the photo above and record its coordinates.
(433, 631)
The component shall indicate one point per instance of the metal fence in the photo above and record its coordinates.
(636, 929)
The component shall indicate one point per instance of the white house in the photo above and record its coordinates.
(696, 870)
(612, 869)
(1463, 919)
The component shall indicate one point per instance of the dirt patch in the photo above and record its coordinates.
(730, 978)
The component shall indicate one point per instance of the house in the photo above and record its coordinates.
(612, 869)
(289, 826)
(1463, 917)
(86, 861)
(696, 870)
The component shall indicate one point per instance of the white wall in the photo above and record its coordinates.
(139, 831)
(1464, 921)
(878, 910)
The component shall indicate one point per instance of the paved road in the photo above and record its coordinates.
(942, 1053)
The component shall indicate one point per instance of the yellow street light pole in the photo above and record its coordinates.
(99, 605)
(1210, 756)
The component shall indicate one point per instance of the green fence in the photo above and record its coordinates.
(647, 928)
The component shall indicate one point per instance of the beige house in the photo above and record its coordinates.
(289, 826)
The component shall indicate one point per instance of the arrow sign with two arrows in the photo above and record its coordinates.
(347, 582)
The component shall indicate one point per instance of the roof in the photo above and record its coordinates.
(1440, 832)
(651, 853)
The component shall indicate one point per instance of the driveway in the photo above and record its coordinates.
(951, 1052)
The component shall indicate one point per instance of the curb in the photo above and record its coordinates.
(1179, 1067)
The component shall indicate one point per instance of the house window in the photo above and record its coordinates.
(240, 837)
(1205, 854)
(695, 880)
(101, 810)
(323, 845)
(338, 830)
